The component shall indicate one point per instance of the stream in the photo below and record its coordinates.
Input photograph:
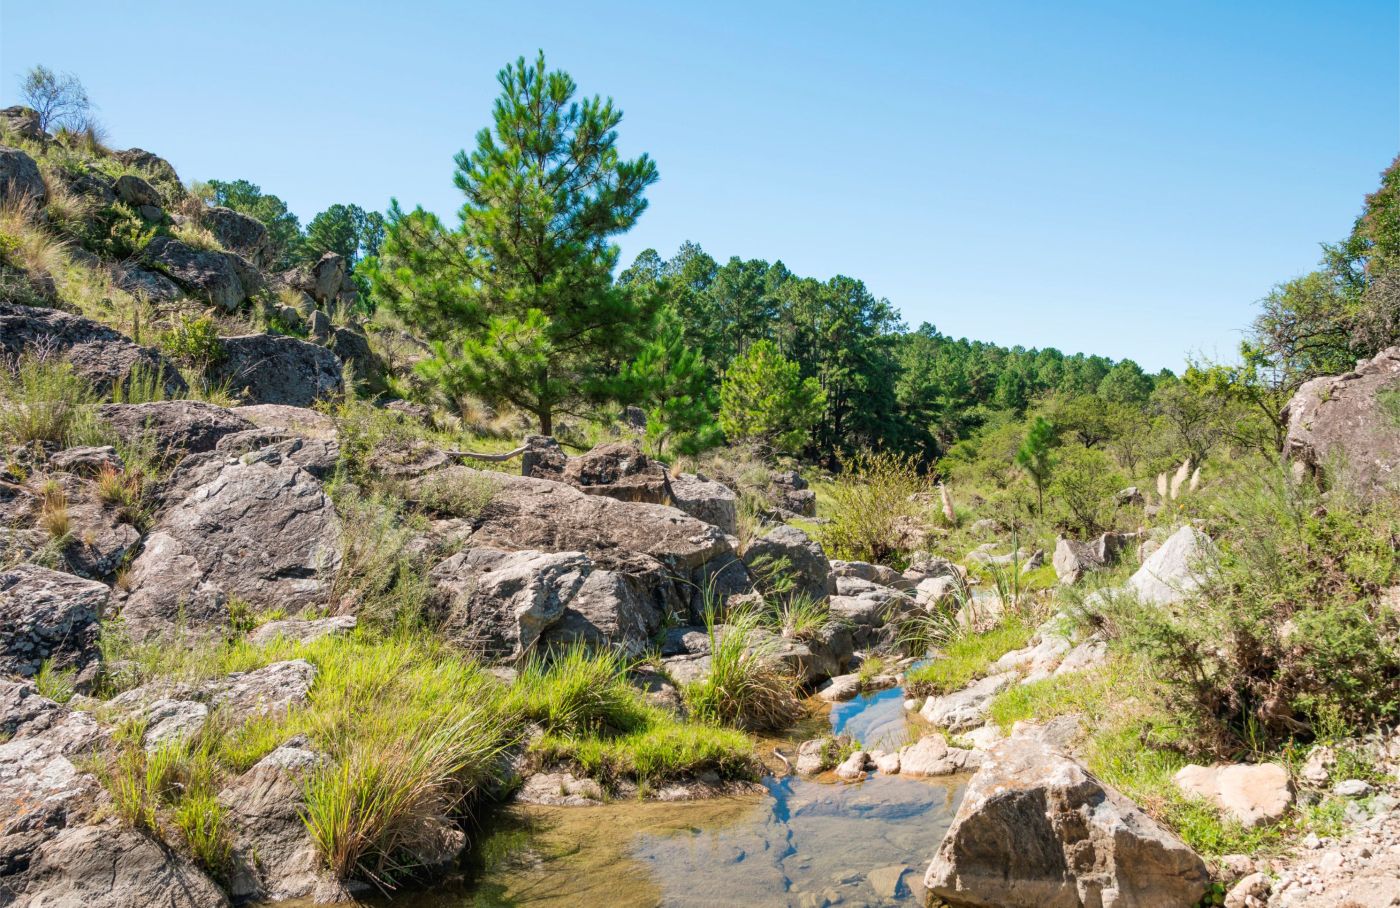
(804, 843)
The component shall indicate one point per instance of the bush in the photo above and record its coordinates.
(1289, 628)
(1084, 483)
(192, 339)
(868, 503)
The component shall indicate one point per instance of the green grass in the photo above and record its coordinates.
(56, 684)
(746, 687)
(52, 403)
(968, 657)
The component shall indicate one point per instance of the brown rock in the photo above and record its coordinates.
(1350, 422)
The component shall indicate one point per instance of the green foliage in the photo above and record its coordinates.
(746, 686)
(765, 399)
(192, 339)
(45, 401)
(968, 657)
(520, 300)
(866, 504)
(55, 683)
(676, 390)
(283, 228)
(1083, 485)
(1035, 459)
(348, 230)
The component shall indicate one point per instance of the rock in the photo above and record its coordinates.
(1255, 794)
(713, 502)
(619, 470)
(328, 276)
(209, 275)
(173, 427)
(840, 688)
(22, 120)
(352, 346)
(924, 565)
(1132, 495)
(301, 421)
(155, 166)
(1320, 763)
(272, 690)
(20, 178)
(611, 609)
(170, 722)
(788, 548)
(887, 763)
(1352, 788)
(818, 754)
(87, 460)
(560, 789)
(1035, 830)
(873, 573)
(302, 631)
(1073, 559)
(110, 866)
(1347, 422)
(499, 603)
(888, 882)
(258, 528)
(273, 855)
(788, 490)
(136, 192)
(1086, 655)
(853, 768)
(276, 369)
(238, 232)
(936, 591)
(319, 327)
(966, 708)
(47, 615)
(931, 756)
(1250, 892)
(152, 285)
(97, 353)
(987, 526)
(1173, 572)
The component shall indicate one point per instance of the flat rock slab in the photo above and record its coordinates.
(1254, 794)
(968, 707)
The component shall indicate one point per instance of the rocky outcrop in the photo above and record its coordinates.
(707, 500)
(1350, 423)
(20, 178)
(499, 603)
(173, 428)
(209, 275)
(157, 167)
(1176, 570)
(788, 491)
(619, 470)
(1073, 559)
(788, 551)
(238, 233)
(102, 356)
(1036, 830)
(276, 369)
(611, 609)
(259, 528)
(48, 616)
(22, 120)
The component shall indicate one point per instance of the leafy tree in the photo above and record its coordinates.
(283, 228)
(520, 298)
(59, 99)
(1083, 485)
(764, 398)
(1034, 456)
(1126, 383)
(348, 230)
(677, 391)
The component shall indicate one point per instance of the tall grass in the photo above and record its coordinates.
(747, 687)
(43, 400)
(968, 656)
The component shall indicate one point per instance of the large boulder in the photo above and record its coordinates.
(966, 708)
(273, 856)
(275, 369)
(136, 192)
(102, 356)
(1036, 830)
(259, 528)
(208, 274)
(1176, 570)
(499, 603)
(48, 615)
(611, 609)
(238, 232)
(1350, 423)
(786, 549)
(1073, 559)
(707, 500)
(1253, 793)
(174, 428)
(20, 178)
(155, 166)
(352, 346)
(619, 470)
(22, 120)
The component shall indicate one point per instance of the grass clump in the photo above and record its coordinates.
(747, 687)
(968, 656)
(43, 400)
(55, 683)
(867, 505)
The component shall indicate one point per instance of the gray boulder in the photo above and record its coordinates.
(619, 470)
(174, 428)
(149, 284)
(1350, 423)
(610, 609)
(136, 192)
(102, 356)
(207, 274)
(237, 232)
(701, 498)
(22, 120)
(275, 369)
(328, 277)
(274, 857)
(259, 528)
(155, 166)
(1073, 559)
(20, 178)
(499, 603)
(352, 346)
(966, 708)
(787, 547)
(48, 615)
(1036, 830)
(1176, 570)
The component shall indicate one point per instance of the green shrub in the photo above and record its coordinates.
(192, 339)
(868, 503)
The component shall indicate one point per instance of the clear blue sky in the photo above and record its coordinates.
(1116, 177)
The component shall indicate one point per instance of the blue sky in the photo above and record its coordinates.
(1119, 178)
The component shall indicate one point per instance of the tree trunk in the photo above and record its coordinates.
(546, 422)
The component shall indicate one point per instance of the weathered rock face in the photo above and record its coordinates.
(966, 708)
(713, 502)
(1176, 570)
(274, 858)
(931, 756)
(498, 603)
(20, 178)
(790, 548)
(1350, 422)
(259, 528)
(208, 275)
(110, 866)
(98, 541)
(619, 470)
(611, 608)
(543, 458)
(174, 427)
(1254, 794)
(275, 369)
(22, 120)
(1035, 830)
(238, 232)
(45, 614)
(1073, 559)
(102, 356)
(137, 192)
(155, 165)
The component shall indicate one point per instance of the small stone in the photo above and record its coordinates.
(1248, 892)
(1352, 788)
(1331, 862)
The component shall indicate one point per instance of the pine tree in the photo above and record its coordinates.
(764, 398)
(1034, 457)
(520, 300)
(677, 391)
